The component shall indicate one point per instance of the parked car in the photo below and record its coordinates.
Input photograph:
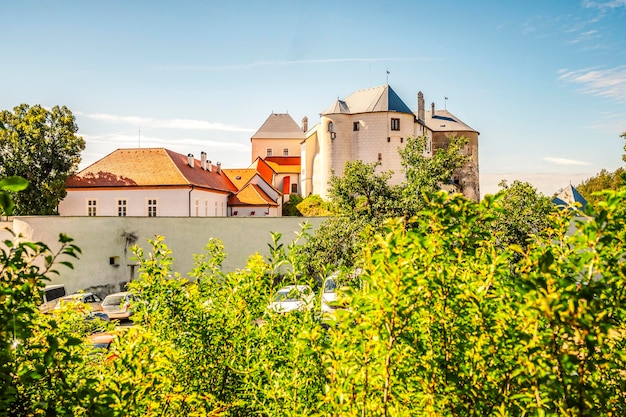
(51, 294)
(118, 305)
(87, 298)
(291, 298)
(101, 340)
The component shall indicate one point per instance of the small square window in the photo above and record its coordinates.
(356, 126)
(395, 124)
(252, 213)
(285, 152)
(269, 152)
(294, 188)
(380, 157)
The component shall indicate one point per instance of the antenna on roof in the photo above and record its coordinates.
(445, 102)
(388, 75)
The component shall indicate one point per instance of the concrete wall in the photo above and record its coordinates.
(107, 264)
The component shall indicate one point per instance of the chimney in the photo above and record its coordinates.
(219, 167)
(203, 159)
(432, 106)
(421, 110)
(190, 159)
(209, 166)
(305, 124)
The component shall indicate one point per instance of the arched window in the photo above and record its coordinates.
(330, 127)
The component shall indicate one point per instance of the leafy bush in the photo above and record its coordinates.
(442, 323)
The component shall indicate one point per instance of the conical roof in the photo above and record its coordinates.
(377, 99)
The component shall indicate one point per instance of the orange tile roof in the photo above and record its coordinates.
(151, 167)
(240, 177)
(251, 195)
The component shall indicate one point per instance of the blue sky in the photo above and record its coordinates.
(544, 82)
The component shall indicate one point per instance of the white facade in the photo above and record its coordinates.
(148, 202)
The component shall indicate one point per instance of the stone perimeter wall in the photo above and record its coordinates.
(106, 263)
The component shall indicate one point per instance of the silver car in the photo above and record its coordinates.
(118, 305)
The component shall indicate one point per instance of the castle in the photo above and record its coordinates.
(369, 125)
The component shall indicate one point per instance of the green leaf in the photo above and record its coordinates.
(13, 184)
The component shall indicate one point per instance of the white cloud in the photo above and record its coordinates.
(564, 161)
(284, 63)
(604, 4)
(135, 141)
(148, 122)
(606, 83)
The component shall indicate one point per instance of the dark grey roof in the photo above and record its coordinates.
(377, 99)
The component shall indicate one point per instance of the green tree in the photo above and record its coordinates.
(41, 146)
(361, 192)
(290, 208)
(520, 213)
(427, 174)
(604, 180)
(314, 206)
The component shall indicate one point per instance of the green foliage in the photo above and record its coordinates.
(290, 208)
(41, 146)
(427, 174)
(7, 185)
(314, 206)
(362, 192)
(521, 213)
(363, 198)
(604, 180)
(440, 324)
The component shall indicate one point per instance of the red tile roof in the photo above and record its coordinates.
(264, 169)
(151, 167)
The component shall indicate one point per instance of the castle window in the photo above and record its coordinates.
(380, 157)
(355, 126)
(268, 152)
(395, 124)
(401, 140)
(331, 128)
(388, 139)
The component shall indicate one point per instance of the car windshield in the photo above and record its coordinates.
(292, 294)
(330, 285)
(115, 300)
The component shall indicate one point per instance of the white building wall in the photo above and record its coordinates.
(170, 202)
(374, 139)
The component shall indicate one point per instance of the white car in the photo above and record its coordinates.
(291, 298)
(118, 305)
(87, 298)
